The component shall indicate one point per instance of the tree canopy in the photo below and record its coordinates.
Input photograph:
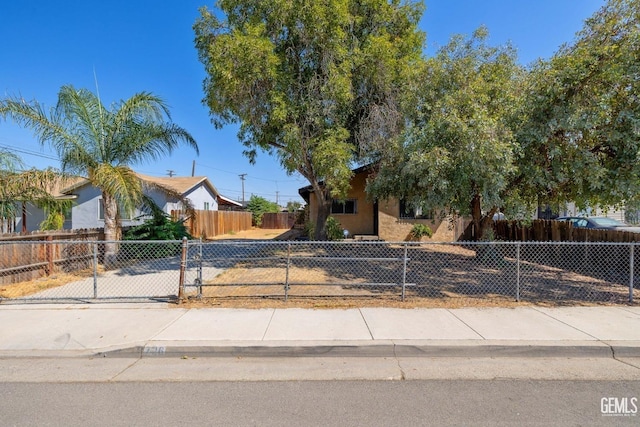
(580, 121)
(317, 84)
(458, 152)
(258, 206)
(487, 134)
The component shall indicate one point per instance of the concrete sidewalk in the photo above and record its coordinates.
(147, 330)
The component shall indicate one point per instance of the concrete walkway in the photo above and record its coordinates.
(152, 330)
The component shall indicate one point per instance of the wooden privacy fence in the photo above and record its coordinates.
(207, 224)
(25, 257)
(278, 220)
(541, 230)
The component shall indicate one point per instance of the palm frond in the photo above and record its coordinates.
(9, 161)
(47, 128)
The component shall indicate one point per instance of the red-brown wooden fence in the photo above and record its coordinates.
(207, 224)
(279, 220)
(25, 257)
(541, 230)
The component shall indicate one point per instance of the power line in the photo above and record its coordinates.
(29, 152)
(251, 176)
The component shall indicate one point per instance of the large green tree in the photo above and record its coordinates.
(458, 153)
(319, 84)
(103, 143)
(579, 128)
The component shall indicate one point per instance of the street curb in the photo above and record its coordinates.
(356, 348)
(523, 350)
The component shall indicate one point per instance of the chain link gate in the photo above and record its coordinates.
(273, 269)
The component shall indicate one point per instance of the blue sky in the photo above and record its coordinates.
(144, 45)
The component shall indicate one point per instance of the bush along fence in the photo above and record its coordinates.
(539, 272)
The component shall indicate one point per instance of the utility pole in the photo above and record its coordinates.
(277, 198)
(170, 173)
(242, 178)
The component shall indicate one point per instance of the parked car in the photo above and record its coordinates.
(600, 223)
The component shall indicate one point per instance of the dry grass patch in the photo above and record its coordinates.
(26, 288)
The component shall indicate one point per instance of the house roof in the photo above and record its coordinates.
(305, 192)
(228, 201)
(181, 184)
(58, 190)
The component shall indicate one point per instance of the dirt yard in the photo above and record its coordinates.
(256, 234)
(440, 276)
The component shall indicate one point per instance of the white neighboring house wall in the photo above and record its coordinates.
(572, 210)
(34, 216)
(198, 196)
(86, 210)
(201, 196)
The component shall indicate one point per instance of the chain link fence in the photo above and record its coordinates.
(558, 273)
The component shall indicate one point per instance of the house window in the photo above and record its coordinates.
(123, 213)
(409, 212)
(348, 206)
(206, 206)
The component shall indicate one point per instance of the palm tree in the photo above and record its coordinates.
(21, 186)
(102, 143)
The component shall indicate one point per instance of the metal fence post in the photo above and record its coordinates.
(518, 271)
(95, 270)
(200, 270)
(404, 271)
(286, 279)
(183, 266)
(49, 255)
(631, 251)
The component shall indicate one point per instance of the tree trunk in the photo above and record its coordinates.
(480, 222)
(323, 203)
(110, 229)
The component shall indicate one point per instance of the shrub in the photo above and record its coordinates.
(334, 229)
(159, 227)
(309, 230)
(53, 221)
(420, 230)
(258, 206)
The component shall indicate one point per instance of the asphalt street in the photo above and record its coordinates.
(319, 403)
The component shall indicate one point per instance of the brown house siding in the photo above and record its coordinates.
(391, 227)
(395, 229)
(362, 221)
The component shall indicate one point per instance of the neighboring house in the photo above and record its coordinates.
(570, 209)
(389, 220)
(226, 204)
(88, 211)
(30, 216)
